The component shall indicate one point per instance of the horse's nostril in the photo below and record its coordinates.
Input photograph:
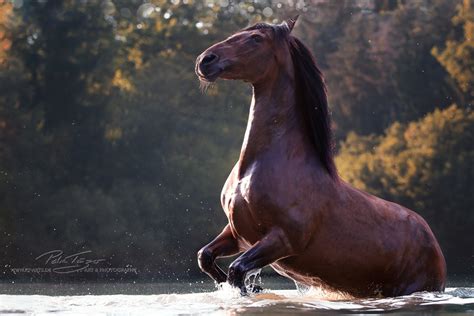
(209, 59)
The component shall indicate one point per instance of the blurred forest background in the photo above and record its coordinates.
(107, 143)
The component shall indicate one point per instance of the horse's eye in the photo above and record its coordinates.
(257, 38)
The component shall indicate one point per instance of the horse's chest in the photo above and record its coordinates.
(239, 203)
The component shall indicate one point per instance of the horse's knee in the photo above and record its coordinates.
(205, 259)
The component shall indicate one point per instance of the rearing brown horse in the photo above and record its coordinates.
(285, 203)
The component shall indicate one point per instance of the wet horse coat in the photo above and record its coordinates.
(285, 203)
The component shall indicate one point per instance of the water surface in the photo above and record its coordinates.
(224, 301)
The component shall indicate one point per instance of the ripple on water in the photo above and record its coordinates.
(228, 301)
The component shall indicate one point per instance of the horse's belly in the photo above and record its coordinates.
(296, 275)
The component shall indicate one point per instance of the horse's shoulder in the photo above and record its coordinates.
(229, 183)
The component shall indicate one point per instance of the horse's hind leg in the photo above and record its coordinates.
(223, 245)
(272, 247)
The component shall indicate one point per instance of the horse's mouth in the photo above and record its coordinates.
(209, 77)
(209, 74)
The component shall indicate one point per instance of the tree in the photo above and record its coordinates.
(457, 57)
(382, 69)
(111, 145)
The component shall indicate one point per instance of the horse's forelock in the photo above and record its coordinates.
(281, 31)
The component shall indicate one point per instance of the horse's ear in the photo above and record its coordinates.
(291, 23)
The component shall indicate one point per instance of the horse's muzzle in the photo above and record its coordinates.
(207, 66)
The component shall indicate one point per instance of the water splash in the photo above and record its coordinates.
(253, 281)
(302, 288)
(227, 292)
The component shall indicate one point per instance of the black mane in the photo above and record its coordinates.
(311, 96)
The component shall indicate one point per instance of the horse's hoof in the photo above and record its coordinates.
(257, 289)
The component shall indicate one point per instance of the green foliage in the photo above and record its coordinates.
(458, 55)
(425, 165)
(382, 69)
(108, 139)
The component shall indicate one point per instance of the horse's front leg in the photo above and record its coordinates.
(223, 245)
(274, 246)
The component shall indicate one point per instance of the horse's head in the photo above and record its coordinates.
(248, 55)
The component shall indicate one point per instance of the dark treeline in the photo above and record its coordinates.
(107, 143)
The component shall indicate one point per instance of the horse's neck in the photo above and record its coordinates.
(273, 121)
